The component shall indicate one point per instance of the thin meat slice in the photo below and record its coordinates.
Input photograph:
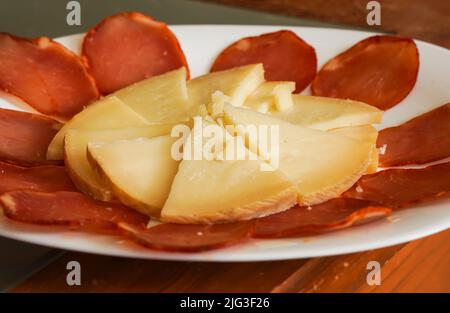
(67, 208)
(379, 70)
(50, 178)
(403, 187)
(285, 56)
(423, 139)
(188, 237)
(24, 137)
(332, 215)
(46, 75)
(129, 47)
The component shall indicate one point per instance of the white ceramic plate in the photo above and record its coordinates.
(201, 45)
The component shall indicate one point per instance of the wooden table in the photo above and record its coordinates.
(419, 266)
(426, 20)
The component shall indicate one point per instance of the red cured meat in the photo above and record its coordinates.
(46, 75)
(188, 238)
(285, 56)
(72, 209)
(379, 70)
(332, 215)
(24, 137)
(129, 47)
(50, 178)
(403, 187)
(423, 139)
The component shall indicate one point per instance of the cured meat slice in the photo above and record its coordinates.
(423, 139)
(402, 187)
(24, 137)
(379, 70)
(46, 75)
(48, 178)
(285, 56)
(188, 237)
(128, 47)
(67, 208)
(332, 215)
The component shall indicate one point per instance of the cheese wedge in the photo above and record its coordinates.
(328, 113)
(223, 189)
(107, 113)
(236, 83)
(321, 164)
(77, 164)
(365, 133)
(160, 99)
(139, 171)
(271, 96)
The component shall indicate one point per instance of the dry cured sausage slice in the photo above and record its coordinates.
(49, 178)
(331, 215)
(423, 139)
(188, 237)
(403, 187)
(45, 75)
(285, 56)
(129, 47)
(24, 137)
(379, 70)
(67, 208)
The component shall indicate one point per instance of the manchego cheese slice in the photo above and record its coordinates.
(321, 164)
(271, 96)
(236, 83)
(222, 189)
(138, 171)
(159, 99)
(328, 113)
(365, 133)
(77, 164)
(107, 113)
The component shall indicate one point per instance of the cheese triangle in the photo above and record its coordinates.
(221, 189)
(77, 164)
(139, 171)
(321, 164)
(236, 83)
(107, 113)
(159, 99)
(365, 133)
(328, 113)
(271, 96)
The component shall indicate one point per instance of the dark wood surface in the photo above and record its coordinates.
(419, 266)
(426, 20)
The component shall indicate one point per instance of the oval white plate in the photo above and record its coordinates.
(201, 45)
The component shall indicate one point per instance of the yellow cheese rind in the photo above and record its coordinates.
(271, 96)
(236, 83)
(107, 113)
(77, 164)
(139, 171)
(222, 190)
(327, 113)
(159, 99)
(374, 160)
(321, 164)
(366, 133)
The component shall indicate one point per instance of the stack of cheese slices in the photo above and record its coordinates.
(122, 146)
